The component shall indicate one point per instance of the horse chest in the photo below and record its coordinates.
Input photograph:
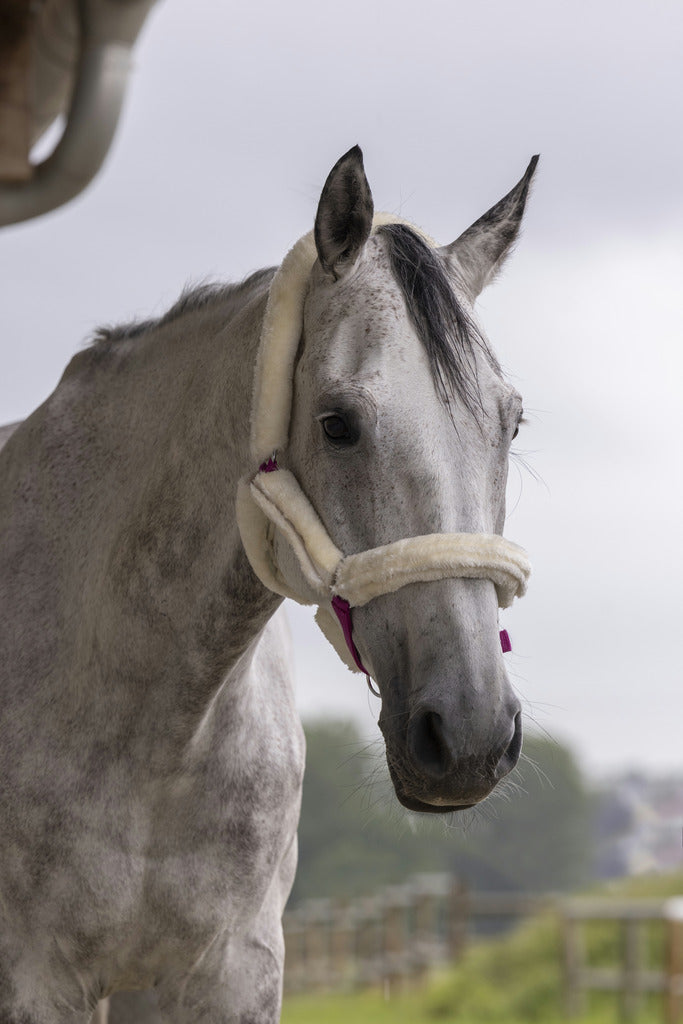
(222, 830)
(170, 861)
(218, 829)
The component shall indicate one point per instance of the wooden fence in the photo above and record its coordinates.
(400, 934)
(393, 937)
(632, 976)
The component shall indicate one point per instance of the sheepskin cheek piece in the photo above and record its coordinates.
(271, 501)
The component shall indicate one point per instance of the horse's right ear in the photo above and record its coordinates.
(344, 218)
(481, 250)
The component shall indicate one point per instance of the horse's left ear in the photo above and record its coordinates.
(344, 218)
(481, 250)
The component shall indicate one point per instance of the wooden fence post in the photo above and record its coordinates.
(341, 945)
(318, 943)
(631, 964)
(673, 912)
(368, 954)
(394, 940)
(572, 964)
(458, 911)
(425, 929)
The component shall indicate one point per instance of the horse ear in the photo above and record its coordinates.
(344, 218)
(480, 251)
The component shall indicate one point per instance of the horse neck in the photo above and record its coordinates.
(170, 597)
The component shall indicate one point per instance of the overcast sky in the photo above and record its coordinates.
(235, 116)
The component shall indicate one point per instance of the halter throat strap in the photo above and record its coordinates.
(342, 609)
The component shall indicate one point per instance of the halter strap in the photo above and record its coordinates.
(275, 500)
(342, 609)
(360, 577)
(272, 503)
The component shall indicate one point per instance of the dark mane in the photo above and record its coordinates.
(191, 300)
(445, 328)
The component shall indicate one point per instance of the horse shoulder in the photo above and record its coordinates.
(237, 796)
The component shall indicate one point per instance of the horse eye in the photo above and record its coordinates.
(336, 428)
(520, 421)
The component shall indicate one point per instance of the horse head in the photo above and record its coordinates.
(400, 427)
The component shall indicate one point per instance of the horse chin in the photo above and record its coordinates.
(432, 804)
(413, 804)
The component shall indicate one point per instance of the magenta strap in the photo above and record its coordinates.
(505, 642)
(342, 610)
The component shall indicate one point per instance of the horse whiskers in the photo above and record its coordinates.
(362, 751)
(531, 707)
(521, 459)
(540, 774)
(365, 787)
(506, 789)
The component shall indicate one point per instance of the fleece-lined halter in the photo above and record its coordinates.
(271, 501)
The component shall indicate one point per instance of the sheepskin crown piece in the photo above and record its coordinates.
(271, 501)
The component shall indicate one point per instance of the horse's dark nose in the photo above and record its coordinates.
(428, 744)
(451, 757)
(511, 754)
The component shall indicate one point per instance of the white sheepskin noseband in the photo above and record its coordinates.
(271, 500)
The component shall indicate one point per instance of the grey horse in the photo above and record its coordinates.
(152, 758)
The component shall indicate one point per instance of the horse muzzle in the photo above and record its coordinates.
(439, 762)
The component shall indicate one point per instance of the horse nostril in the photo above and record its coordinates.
(514, 749)
(428, 745)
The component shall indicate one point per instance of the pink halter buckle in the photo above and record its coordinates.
(270, 465)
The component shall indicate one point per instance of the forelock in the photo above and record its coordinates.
(445, 328)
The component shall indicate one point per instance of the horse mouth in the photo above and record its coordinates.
(438, 805)
(450, 792)
(413, 804)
